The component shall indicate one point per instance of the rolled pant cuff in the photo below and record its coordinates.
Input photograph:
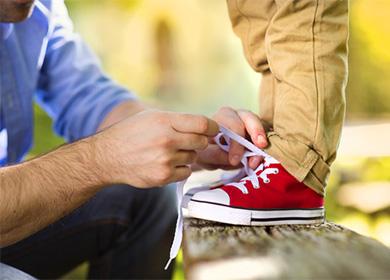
(305, 164)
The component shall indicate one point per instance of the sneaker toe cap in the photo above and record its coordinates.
(212, 196)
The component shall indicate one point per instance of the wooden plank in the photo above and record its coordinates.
(327, 251)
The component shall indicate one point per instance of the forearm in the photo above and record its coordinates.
(122, 111)
(38, 192)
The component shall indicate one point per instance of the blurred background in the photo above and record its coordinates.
(183, 56)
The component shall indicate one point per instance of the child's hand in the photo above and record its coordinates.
(242, 122)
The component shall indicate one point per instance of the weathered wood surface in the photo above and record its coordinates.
(327, 251)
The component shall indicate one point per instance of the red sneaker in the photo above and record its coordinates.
(268, 196)
(227, 177)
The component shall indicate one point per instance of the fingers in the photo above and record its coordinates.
(254, 128)
(190, 141)
(213, 156)
(230, 119)
(255, 161)
(181, 173)
(223, 167)
(184, 157)
(187, 123)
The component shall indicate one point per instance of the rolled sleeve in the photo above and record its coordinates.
(72, 86)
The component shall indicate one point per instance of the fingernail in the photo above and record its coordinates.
(261, 140)
(235, 160)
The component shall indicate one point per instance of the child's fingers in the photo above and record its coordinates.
(255, 161)
(229, 118)
(254, 127)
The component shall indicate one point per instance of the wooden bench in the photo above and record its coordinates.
(327, 251)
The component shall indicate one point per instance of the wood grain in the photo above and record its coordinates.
(326, 251)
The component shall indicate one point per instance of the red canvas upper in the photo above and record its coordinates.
(282, 191)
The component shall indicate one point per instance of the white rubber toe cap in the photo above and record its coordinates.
(213, 196)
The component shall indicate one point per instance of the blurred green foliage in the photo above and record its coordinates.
(350, 171)
(369, 60)
(45, 139)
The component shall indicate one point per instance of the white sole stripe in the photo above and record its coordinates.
(260, 209)
(239, 216)
(259, 214)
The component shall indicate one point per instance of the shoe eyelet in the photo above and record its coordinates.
(266, 181)
(276, 171)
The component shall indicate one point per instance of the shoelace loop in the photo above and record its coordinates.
(223, 140)
(253, 176)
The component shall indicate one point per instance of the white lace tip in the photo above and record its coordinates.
(168, 263)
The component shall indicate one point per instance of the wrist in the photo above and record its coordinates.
(104, 158)
(96, 163)
(122, 111)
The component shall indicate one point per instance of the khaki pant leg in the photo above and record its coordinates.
(250, 20)
(304, 84)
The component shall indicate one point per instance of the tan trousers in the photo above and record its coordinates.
(300, 47)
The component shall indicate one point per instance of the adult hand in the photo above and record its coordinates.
(242, 122)
(153, 148)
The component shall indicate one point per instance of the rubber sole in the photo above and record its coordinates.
(189, 194)
(254, 217)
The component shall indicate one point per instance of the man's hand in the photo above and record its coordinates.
(152, 148)
(242, 122)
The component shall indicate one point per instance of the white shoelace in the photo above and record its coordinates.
(227, 135)
(252, 150)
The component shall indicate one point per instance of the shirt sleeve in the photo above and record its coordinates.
(72, 87)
